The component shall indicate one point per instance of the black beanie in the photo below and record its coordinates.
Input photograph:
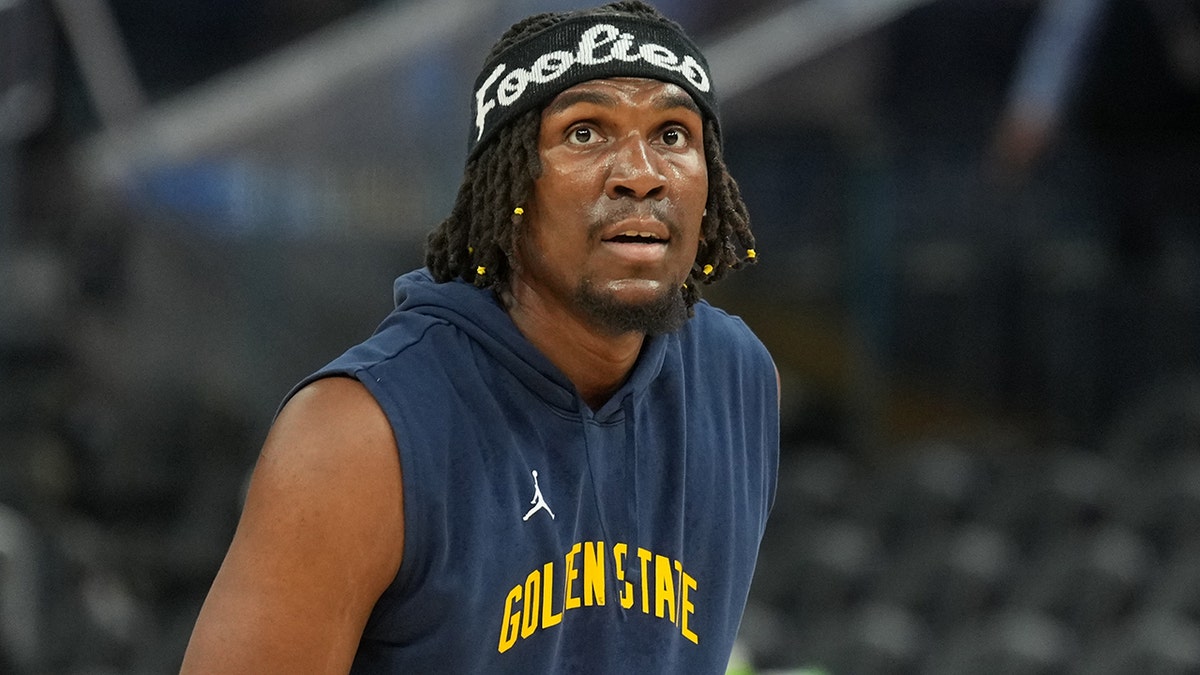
(528, 74)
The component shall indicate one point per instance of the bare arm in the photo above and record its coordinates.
(320, 538)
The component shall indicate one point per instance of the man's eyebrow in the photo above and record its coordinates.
(676, 100)
(669, 101)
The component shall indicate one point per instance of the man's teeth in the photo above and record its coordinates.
(644, 235)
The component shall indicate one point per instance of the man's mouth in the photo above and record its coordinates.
(635, 243)
(636, 237)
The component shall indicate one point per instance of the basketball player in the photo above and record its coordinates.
(552, 456)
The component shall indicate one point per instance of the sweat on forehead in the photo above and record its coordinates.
(531, 72)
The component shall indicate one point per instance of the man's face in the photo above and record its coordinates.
(613, 224)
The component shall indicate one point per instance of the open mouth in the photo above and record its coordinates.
(638, 246)
(636, 237)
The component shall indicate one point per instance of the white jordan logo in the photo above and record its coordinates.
(538, 501)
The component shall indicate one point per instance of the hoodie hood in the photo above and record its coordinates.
(480, 315)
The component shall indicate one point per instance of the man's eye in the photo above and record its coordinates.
(673, 137)
(582, 135)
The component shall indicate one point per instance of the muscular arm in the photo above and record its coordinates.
(320, 537)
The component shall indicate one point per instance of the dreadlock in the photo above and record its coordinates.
(477, 240)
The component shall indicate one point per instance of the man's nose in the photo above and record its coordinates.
(636, 171)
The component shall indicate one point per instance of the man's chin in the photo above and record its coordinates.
(632, 306)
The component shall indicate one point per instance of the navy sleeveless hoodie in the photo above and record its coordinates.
(542, 536)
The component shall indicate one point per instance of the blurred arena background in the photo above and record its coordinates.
(979, 229)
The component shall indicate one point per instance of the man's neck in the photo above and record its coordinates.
(597, 363)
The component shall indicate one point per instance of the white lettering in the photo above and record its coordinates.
(694, 73)
(550, 66)
(482, 107)
(594, 38)
(659, 56)
(599, 44)
(622, 48)
(512, 86)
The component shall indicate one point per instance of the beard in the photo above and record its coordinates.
(665, 313)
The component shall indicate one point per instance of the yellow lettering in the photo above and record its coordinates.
(571, 601)
(686, 608)
(626, 593)
(593, 573)
(529, 615)
(512, 620)
(664, 586)
(645, 557)
(549, 618)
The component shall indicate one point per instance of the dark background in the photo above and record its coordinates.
(980, 279)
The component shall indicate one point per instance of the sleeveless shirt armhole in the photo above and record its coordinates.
(412, 530)
(414, 516)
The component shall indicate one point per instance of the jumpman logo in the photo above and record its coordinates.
(538, 501)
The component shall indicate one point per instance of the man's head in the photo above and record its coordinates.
(591, 130)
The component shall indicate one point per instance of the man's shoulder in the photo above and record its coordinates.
(717, 334)
(713, 323)
(407, 339)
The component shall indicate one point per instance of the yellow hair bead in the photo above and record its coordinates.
(519, 211)
(708, 270)
(751, 254)
(470, 249)
(481, 270)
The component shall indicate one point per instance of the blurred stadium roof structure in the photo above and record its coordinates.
(353, 82)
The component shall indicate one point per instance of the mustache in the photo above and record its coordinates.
(605, 215)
